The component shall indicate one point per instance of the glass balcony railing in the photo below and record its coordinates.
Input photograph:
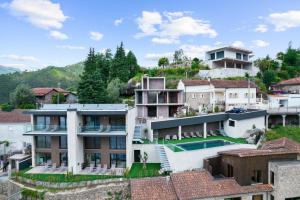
(107, 128)
(45, 128)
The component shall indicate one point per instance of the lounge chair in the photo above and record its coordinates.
(108, 127)
(212, 133)
(53, 168)
(193, 135)
(186, 135)
(91, 167)
(112, 168)
(46, 166)
(198, 134)
(101, 128)
(98, 169)
(174, 137)
(167, 137)
(104, 169)
(55, 128)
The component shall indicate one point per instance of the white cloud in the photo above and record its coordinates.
(58, 35)
(40, 13)
(218, 43)
(238, 44)
(171, 26)
(260, 43)
(194, 51)
(285, 20)
(96, 35)
(19, 58)
(19, 66)
(262, 28)
(71, 47)
(156, 56)
(158, 40)
(117, 22)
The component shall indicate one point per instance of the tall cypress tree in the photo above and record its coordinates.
(132, 64)
(119, 68)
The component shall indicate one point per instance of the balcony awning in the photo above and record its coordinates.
(104, 134)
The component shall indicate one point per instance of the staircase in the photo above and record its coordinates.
(137, 136)
(165, 165)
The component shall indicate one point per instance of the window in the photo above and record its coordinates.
(63, 157)
(245, 57)
(93, 159)
(92, 123)
(234, 198)
(92, 143)
(117, 142)
(43, 141)
(119, 160)
(63, 142)
(152, 111)
(193, 96)
(212, 56)
(42, 122)
(238, 56)
(229, 170)
(258, 197)
(272, 197)
(117, 123)
(43, 158)
(246, 95)
(62, 122)
(232, 123)
(272, 177)
(220, 54)
(152, 97)
(257, 176)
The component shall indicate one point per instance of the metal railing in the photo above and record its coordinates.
(45, 128)
(101, 128)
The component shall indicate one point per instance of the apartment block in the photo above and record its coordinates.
(81, 135)
(154, 100)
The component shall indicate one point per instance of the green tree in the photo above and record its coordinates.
(113, 90)
(92, 88)
(22, 97)
(163, 62)
(195, 63)
(132, 64)
(119, 68)
(178, 57)
(58, 98)
(269, 77)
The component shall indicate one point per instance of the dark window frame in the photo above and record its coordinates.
(43, 142)
(115, 142)
(63, 144)
(231, 123)
(92, 142)
(119, 159)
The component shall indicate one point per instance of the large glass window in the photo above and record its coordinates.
(119, 160)
(43, 141)
(63, 157)
(92, 143)
(239, 56)
(92, 123)
(42, 122)
(152, 111)
(93, 159)
(257, 176)
(152, 97)
(117, 123)
(245, 57)
(63, 142)
(62, 122)
(212, 56)
(43, 158)
(220, 54)
(117, 142)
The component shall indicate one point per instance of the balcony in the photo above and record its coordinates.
(45, 130)
(102, 130)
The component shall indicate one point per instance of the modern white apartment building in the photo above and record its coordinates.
(228, 61)
(82, 135)
(204, 95)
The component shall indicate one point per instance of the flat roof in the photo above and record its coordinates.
(231, 48)
(291, 163)
(170, 123)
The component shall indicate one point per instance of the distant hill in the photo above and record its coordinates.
(67, 76)
(8, 70)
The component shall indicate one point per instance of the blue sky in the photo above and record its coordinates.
(38, 33)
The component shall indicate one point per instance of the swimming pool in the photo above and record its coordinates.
(203, 144)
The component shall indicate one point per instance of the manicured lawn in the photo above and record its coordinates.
(61, 177)
(290, 132)
(137, 170)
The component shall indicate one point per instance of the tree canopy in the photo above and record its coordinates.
(22, 97)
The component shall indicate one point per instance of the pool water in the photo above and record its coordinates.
(203, 144)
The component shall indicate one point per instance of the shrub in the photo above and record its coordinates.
(6, 107)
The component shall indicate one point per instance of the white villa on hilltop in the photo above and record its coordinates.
(228, 61)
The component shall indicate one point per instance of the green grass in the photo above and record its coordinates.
(60, 177)
(137, 170)
(290, 132)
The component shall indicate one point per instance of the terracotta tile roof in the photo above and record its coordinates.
(293, 81)
(152, 189)
(190, 185)
(282, 143)
(220, 83)
(200, 184)
(45, 90)
(15, 116)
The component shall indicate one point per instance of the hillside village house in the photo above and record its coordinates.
(44, 95)
(81, 137)
(154, 100)
(228, 61)
(12, 127)
(204, 95)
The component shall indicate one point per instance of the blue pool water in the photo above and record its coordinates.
(203, 144)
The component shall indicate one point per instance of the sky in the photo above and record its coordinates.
(38, 33)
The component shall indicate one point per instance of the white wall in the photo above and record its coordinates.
(153, 156)
(13, 132)
(188, 160)
(241, 126)
(241, 99)
(287, 100)
(130, 124)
